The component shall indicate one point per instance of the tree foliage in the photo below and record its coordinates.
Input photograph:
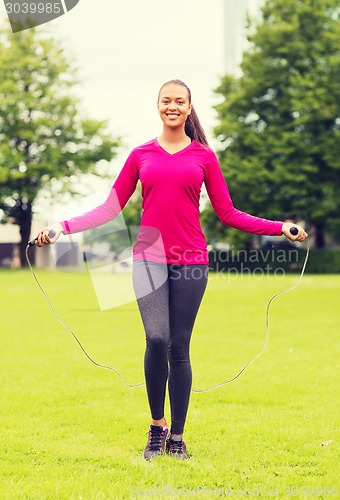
(43, 135)
(279, 122)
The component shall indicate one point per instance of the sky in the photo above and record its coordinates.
(126, 50)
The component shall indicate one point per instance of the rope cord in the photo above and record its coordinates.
(267, 328)
(71, 332)
(143, 383)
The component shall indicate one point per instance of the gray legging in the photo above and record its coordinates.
(168, 297)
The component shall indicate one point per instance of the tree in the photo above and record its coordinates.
(43, 136)
(279, 122)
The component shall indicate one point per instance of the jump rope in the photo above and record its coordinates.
(293, 231)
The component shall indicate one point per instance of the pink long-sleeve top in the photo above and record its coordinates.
(170, 230)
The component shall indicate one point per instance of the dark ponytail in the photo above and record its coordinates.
(193, 128)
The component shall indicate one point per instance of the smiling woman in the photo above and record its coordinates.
(170, 257)
(177, 112)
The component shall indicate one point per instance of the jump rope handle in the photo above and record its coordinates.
(294, 231)
(51, 234)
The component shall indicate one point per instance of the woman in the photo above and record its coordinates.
(170, 259)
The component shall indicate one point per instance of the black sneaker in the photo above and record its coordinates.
(176, 449)
(156, 441)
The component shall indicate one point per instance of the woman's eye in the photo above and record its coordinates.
(168, 102)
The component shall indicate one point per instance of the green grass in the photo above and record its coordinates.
(70, 430)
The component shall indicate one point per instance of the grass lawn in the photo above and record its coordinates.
(70, 430)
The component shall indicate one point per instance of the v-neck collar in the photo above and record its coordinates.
(172, 154)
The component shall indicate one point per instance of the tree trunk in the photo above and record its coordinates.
(24, 220)
(319, 235)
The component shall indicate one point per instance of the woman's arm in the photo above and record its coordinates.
(222, 203)
(119, 195)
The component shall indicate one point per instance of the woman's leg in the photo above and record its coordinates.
(151, 287)
(186, 289)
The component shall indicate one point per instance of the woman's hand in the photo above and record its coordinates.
(44, 239)
(301, 236)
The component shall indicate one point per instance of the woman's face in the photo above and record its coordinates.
(173, 105)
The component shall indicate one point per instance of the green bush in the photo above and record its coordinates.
(320, 261)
